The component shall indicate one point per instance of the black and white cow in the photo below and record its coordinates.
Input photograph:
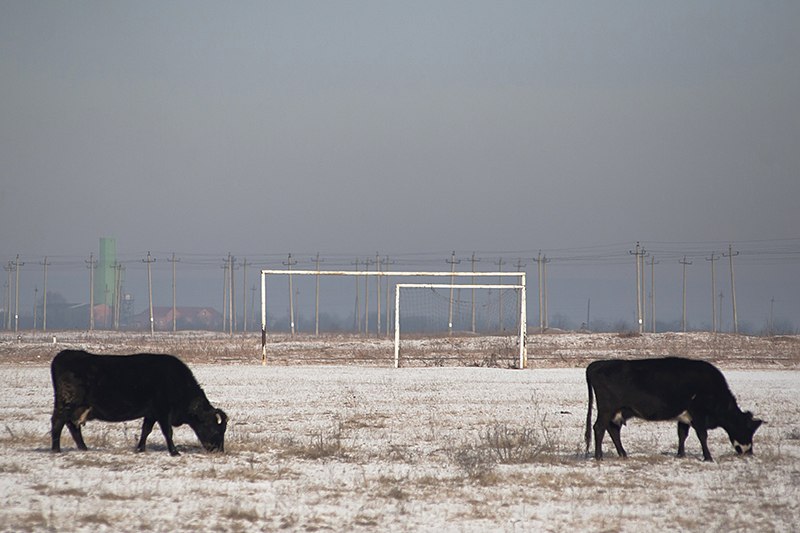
(690, 391)
(114, 388)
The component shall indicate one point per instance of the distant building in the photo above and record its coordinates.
(202, 318)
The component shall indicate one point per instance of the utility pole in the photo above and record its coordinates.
(91, 264)
(252, 300)
(541, 268)
(544, 289)
(357, 312)
(644, 293)
(17, 264)
(771, 308)
(367, 263)
(588, 313)
(174, 261)
(639, 253)
(520, 266)
(473, 260)
(730, 255)
(653, 264)
(118, 269)
(388, 307)
(44, 295)
(539, 264)
(231, 306)
(7, 318)
(244, 295)
(35, 296)
(316, 297)
(499, 264)
(720, 311)
(378, 291)
(712, 259)
(684, 262)
(225, 285)
(453, 262)
(149, 261)
(288, 264)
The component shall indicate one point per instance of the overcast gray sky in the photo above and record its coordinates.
(401, 127)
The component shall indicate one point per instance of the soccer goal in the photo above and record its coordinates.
(325, 306)
(471, 318)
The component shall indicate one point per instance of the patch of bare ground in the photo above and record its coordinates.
(548, 350)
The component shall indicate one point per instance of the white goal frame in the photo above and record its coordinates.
(520, 284)
(523, 352)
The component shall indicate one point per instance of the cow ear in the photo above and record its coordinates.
(221, 416)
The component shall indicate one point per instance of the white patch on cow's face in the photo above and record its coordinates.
(684, 417)
(618, 419)
(741, 448)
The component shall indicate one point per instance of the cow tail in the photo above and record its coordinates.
(588, 434)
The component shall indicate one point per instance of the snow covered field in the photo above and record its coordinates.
(338, 448)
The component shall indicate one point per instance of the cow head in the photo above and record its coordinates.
(210, 425)
(741, 432)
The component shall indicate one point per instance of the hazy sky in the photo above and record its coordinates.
(404, 127)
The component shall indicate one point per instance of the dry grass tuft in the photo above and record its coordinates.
(514, 445)
(474, 462)
(320, 445)
(243, 514)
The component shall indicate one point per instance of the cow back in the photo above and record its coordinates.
(659, 388)
(124, 387)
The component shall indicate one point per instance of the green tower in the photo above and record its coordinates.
(104, 278)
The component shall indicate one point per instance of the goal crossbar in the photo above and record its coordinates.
(523, 352)
(402, 273)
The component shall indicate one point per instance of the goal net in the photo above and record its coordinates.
(470, 324)
(350, 316)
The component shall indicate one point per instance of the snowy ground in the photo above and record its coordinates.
(335, 447)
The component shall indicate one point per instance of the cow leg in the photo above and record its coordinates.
(147, 427)
(75, 431)
(166, 429)
(599, 433)
(56, 425)
(702, 434)
(613, 431)
(683, 432)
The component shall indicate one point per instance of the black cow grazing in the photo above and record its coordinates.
(158, 388)
(672, 388)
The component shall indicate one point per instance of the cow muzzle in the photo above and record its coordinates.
(746, 449)
(214, 448)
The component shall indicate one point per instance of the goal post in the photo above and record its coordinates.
(477, 277)
(522, 327)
